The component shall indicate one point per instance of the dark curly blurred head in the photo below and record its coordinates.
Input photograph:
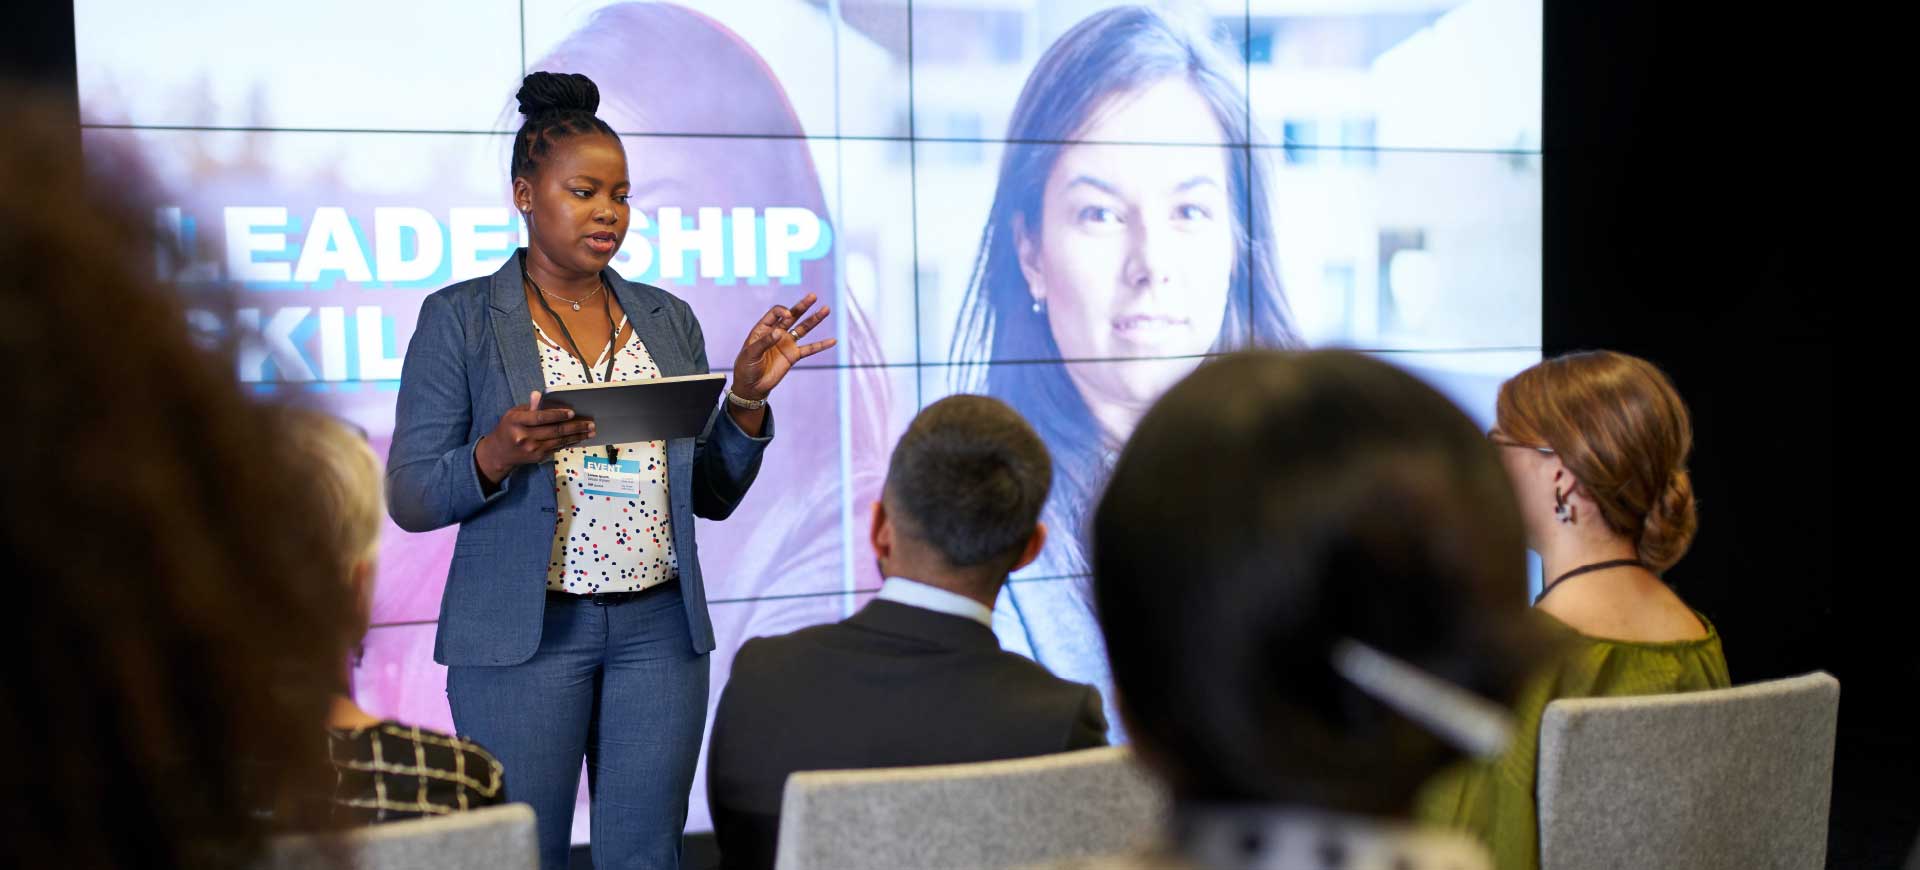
(177, 634)
(1268, 506)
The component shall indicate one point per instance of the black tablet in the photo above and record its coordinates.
(627, 411)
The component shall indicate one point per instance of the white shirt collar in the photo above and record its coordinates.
(916, 594)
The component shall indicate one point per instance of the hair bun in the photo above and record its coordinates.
(1670, 523)
(545, 92)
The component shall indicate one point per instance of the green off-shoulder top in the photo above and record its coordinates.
(1494, 799)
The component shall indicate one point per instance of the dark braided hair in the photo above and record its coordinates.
(556, 106)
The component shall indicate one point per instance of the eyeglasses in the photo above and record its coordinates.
(1500, 439)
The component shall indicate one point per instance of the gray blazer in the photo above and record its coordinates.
(472, 359)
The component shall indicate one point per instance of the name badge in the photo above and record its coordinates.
(612, 480)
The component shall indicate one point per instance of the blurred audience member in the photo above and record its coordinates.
(917, 676)
(176, 630)
(1309, 573)
(387, 770)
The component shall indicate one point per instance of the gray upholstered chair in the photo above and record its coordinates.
(990, 814)
(495, 838)
(1731, 778)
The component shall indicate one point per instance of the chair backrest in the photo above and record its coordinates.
(494, 838)
(989, 814)
(1733, 778)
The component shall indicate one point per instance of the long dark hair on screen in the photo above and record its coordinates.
(1112, 52)
(1306, 498)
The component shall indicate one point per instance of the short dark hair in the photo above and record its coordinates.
(1268, 506)
(556, 106)
(969, 478)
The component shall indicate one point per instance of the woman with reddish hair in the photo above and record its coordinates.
(1596, 447)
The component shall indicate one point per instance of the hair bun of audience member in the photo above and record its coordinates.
(543, 93)
(1670, 523)
(1622, 430)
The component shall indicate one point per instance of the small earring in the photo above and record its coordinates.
(1562, 511)
(1040, 306)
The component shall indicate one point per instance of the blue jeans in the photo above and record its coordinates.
(618, 685)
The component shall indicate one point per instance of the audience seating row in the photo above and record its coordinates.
(1735, 778)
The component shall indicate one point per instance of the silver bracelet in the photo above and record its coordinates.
(750, 405)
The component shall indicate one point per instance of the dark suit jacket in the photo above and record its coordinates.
(893, 685)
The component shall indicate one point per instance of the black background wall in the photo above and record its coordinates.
(1683, 225)
(1671, 232)
(36, 46)
(1680, 226)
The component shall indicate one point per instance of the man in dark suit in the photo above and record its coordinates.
(917, 676)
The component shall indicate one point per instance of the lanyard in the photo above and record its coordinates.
(613, 333)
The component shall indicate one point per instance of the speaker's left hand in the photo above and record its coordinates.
(773, 346)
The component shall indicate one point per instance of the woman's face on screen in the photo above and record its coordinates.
(1134, 253)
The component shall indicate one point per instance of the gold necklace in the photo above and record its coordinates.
(576, 305)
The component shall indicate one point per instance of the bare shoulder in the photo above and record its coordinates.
(1636, 610)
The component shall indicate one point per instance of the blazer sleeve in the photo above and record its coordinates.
(1090, 724)
(431, 477)
(725, 458)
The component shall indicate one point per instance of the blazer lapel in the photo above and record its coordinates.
(513, 335)
(648, 314)
(513, 331)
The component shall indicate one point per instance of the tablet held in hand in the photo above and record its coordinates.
(624, 412)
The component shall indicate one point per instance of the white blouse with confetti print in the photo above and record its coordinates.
(605, 542)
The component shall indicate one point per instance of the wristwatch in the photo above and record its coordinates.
(751, 405)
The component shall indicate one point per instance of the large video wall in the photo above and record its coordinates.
(1072, 236)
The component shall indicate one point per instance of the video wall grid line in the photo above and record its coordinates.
(848, 582)
(390, 385)
(830, 137)
(913, 200)
(1252, 166)
(831, 593)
